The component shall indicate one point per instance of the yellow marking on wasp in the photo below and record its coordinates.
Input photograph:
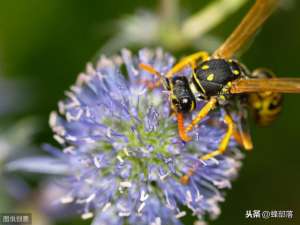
(257, 105)
(229, 84)
(236, 72)
(198, 82)
(222, 97)
(230, 60)
(210, 77)
(171, 87)
(192, 107)
(205, 67)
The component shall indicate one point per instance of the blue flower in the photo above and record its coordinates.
(123, 156)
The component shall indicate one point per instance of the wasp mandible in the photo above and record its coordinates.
(219, 78)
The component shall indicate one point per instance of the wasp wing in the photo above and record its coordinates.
(256, 16)
(280, 85)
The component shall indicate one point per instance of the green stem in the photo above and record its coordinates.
(209, 17)
(169, 11)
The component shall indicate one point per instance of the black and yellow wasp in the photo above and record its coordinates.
(219, 80)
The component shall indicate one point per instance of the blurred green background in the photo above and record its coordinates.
(47, 43)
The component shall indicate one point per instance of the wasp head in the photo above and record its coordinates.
(182, 98)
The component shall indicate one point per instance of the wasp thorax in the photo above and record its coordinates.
(213, 75)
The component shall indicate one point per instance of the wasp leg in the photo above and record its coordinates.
(243, 138)
(181, 131)
(221, 149)
(188, 60)
(203, 113)
(241, 131)
(224, 142)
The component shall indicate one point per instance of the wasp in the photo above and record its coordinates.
(222, 81)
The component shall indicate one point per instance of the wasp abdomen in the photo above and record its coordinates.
(265, 106)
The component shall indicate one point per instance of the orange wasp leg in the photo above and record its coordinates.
(181, 131)
(188, 60)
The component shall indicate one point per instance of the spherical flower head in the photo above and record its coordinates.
(121, 144)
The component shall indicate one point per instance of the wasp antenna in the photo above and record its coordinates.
(150, 70)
